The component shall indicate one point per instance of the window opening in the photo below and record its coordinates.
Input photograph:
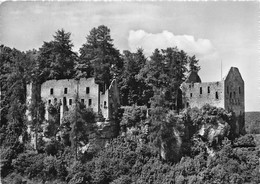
(187, 104)
(49, 101)
(230, 95)
(70, 101)
(216, 95)
(191, 95)
(64, 101)
(65, 90)
(208, 89)
(89, 102)
(105, 103)
(87, 90)
(200, 90)
(82, 101)
(51, 91)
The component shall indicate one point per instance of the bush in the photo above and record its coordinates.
(53, 147)
(245, 141)
(40, 166)
(124, 179)
(133, 116)
(7, 154)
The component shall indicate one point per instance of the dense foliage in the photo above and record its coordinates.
(158, 142)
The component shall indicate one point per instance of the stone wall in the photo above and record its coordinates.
(199, 94)
(114, 101)
(90, 96)
(66, 92)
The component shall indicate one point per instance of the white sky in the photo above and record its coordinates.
(213, 31)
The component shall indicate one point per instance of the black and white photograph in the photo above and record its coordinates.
(129, 92)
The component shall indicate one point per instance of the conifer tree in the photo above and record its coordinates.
(56, 59)
(133, 89)
(98, 57)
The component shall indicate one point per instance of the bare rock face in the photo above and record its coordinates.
(213, 133)
(171, 149)
(107, 129)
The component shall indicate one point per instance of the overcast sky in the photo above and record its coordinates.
(213, 31)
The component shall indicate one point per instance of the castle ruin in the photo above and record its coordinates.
(229, 93)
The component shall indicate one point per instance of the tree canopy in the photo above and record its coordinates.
(56, 59)
(98, 57)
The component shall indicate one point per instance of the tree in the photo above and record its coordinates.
(13, 93)
(98, 57)
(133, 89)
(165, 72)
(56, 59)
(79, 123)
(12, 104)
(193, 64)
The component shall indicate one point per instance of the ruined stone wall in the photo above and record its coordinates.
(199, 94)
(66, 91)
(28, 100)
(114, 101)
(88, 92)
(59, 91)
(104, 107)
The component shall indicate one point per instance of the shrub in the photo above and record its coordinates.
(245, 141)
(124, 179)
(53, 147)
(133, 116)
